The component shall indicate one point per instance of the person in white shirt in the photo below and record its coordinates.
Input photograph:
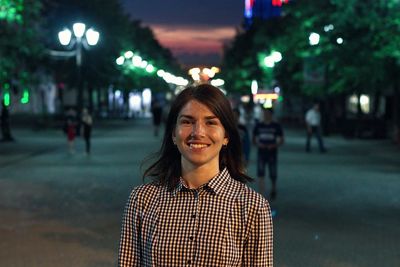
(313, 122)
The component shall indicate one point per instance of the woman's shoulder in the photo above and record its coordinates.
(144, 195)
(251, 205)
(146, 191)
(249, 197)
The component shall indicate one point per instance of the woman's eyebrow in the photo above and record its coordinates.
(186, 116)
(193, 118)
(211, 117)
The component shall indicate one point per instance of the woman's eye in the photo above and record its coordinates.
(185, 122)
(212, 122)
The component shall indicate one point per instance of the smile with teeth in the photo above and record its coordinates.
(198, 145)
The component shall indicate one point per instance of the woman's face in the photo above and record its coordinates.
(199, 136)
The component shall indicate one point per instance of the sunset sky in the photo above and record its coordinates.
(195, 30)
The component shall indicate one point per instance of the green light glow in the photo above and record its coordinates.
(137, 64)
(25, 97)
(11, 10)
(7, 99)
(150, 68)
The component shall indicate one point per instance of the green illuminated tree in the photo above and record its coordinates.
(239, 65)
(20, 46)
(365, 60)
(11, 10)
(243, 58)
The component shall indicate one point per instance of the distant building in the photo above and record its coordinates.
(261, 9)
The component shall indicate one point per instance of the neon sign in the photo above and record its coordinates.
(248, 8)
(279, 2)
(249, 5)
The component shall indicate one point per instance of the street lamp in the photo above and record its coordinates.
(79, 30)
(313, 38)
(82, 38)
(273, 58)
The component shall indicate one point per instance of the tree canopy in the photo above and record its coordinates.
(20, 45)
(29, 28)
(358, 49)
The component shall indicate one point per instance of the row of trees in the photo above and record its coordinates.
(366, 60)
(29, 28)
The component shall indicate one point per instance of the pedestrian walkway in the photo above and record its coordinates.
(340, 209)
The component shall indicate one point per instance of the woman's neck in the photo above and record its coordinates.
(198, 176)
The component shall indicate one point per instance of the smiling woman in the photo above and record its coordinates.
(199, 136)
(194, 107)
(198, 211)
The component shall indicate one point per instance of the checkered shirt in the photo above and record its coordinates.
(222, 223)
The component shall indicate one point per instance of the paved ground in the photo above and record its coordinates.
(340, 209)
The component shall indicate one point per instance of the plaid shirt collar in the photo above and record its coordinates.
(216, 185)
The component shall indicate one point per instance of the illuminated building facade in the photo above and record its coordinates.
(262, 9)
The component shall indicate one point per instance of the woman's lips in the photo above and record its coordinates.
(198, 146)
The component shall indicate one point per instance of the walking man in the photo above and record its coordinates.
(313, 122)
(87, 123)
(268, 136)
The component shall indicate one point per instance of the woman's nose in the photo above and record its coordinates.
(198, 129)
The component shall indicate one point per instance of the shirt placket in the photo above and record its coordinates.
(192, 233)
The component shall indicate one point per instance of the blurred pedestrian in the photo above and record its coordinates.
(313, 124)
(87, 123)
(70, 128)
(156, 110)
(5, 124)
(267, 137)
(244, 136)
(198, 211)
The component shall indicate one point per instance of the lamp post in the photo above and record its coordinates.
(313, 38)
(273, 58)
(81, 38)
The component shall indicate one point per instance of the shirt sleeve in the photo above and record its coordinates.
(258, 250)
(129, 247)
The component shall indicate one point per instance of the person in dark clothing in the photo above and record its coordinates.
(5, 124)
(87, 123)
(244, 137)
(268, 136)
(70, 129)
(156, 110)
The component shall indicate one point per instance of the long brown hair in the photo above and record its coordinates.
(166, 166)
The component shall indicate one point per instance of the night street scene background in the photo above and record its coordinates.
(61, 201)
